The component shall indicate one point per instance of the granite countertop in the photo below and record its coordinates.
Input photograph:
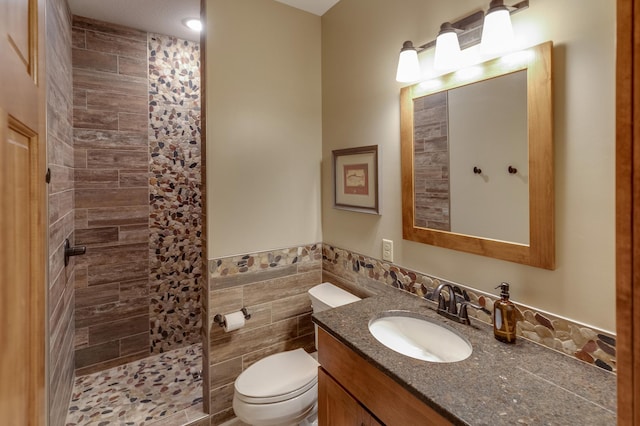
(499, 384)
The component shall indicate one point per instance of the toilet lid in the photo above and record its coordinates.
(277, 377)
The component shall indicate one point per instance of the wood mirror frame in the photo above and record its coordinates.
(540, 252)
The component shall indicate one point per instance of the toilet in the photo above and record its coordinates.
(282, 389)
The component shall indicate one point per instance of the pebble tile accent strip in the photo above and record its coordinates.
(140, 393)
(256, 262)
(573, 339)
(175, 222)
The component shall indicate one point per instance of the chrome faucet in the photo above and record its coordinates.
(450, 309)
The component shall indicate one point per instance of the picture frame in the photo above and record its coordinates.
(355, 179)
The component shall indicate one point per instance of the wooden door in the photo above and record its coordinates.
(22, 213)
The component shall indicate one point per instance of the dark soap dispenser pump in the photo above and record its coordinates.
(504, 316)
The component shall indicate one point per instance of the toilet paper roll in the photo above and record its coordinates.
(233, 321)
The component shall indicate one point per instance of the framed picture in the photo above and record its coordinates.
(355, 179)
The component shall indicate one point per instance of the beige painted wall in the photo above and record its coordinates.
(264, 130)
(360, 43)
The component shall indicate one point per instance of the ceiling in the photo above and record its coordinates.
(165, 16)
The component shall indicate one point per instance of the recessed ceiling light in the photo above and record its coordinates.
(193, 23)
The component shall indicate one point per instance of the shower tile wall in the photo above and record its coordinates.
(120, 314)
(175, 250)
(60, 162)
(273, 287)
(112, 209)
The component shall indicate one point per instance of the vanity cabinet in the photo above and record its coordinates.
(337, 407)
(351, 391)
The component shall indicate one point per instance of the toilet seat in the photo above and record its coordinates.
(277, 378)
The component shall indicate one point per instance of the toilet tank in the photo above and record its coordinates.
(326, 296)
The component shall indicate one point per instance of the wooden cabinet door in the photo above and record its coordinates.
(22, 213)
(337, 408)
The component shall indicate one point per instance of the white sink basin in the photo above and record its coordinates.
(419, 337)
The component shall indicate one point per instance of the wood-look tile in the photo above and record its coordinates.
(81, 277)
(101, 366)
(79, 98)
(109, 82)
(81, 22)
(217, 283)
(96, 178)
(134, 289)
(131, 215)
(135, 123)
(120, 197)
(119, 102)
(78, 38)
(95, 236)
(291, 307)
(99, 120)
(60, 205)
(305, 325)
(94, 315)
(133, 179)
(99, 139)
(118, 329)
(225, 372)
(239, 342)
(95, 354)
(80, 158)
(116, 254)
(97, 295)
(103, 274)
(81, 338)
(80, 219)
(225, 301)
(135, 344)
(179, 418)
(59, 152)
(279, 288)
(222, 417)
(57, 286)
(116, 159)
(222, 398)
(306, 342)
(116, 45)
(92, 60)
(133, 234)
(133, 66)
(61, 178)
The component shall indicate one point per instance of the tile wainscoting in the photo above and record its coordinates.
(590, 345)
(273, 287)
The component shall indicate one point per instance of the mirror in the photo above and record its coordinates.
(477, 159)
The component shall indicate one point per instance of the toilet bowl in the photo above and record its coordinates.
(282, 389)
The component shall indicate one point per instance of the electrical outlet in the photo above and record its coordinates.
(387, 250)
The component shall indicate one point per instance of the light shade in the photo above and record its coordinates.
(497, 32)
(408, 64)
(447, 54)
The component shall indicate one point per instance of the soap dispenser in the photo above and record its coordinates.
(504, 316)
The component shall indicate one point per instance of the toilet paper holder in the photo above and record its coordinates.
(219, 319)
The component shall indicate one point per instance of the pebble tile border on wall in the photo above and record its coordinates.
(256, 262)
(175, 222)
(587, 344)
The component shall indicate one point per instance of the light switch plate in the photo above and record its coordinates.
(387, 250)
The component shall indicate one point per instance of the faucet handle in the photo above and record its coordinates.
(463, 314)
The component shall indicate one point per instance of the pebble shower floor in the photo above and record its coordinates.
(162, 389)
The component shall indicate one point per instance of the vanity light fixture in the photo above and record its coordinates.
(447, 54)
(497, 32)
(193, 24)
(467, 32)
(408, 65)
